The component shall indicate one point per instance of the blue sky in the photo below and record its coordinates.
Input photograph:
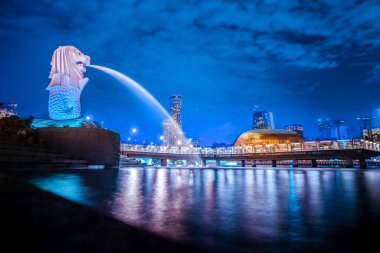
(303, 60)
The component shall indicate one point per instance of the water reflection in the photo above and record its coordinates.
(231, 210)
(69, 186)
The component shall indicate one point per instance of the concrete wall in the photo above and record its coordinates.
(97, 146)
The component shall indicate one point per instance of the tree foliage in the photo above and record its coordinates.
(13, 124)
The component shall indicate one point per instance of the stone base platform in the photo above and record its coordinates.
(96, 146)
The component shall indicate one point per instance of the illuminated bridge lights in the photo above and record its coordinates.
(265, 148)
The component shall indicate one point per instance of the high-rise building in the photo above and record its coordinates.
(8, 109)
(295, 128)
(371, 134)
(176, 109)
(334, 130)
(262, 119)
(375, 121)
(324, 129)
(365, 127)
(172, 128)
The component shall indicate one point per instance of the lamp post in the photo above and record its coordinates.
(133, 131)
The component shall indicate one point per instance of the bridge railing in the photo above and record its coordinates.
(267, 148)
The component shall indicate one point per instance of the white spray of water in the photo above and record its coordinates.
(139, 91)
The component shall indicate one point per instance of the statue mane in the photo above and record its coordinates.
(64, 63)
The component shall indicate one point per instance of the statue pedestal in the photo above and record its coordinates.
(97, 146)
(74, 123)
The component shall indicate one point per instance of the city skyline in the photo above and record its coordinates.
(302, 61)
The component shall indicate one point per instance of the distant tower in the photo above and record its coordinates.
(262, 119)
(176, 108)
(173, 135)
(324, 129)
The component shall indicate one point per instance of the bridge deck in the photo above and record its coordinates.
(354, 154)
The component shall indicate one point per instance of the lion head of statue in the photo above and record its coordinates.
(69, 63)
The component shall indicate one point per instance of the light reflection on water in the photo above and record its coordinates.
(231, 210)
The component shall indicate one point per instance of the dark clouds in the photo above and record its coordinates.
(301, 59)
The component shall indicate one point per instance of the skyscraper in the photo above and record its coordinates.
(334, 130)
(262, 119)
(365, 126)
(173, 135)
(176, 108)
(324, 129)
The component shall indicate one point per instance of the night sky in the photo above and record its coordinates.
(303, 60)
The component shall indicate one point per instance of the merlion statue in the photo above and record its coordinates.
(67, 82)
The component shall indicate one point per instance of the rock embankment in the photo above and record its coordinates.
(38, 221)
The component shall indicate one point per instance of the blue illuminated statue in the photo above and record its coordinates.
(67, 82)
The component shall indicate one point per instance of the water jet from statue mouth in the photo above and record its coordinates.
(143, 94)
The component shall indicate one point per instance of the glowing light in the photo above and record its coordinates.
(88, 118)
(161, 138)
(134, 130)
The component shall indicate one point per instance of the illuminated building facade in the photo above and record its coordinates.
(324, 130)
(173, 135)
(365, 126)
(371, 134)
(267, 137)
(295, 128)
(262, 119)
(8, 109)
(334, 130)
(176, 109)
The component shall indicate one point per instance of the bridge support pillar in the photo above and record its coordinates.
(163, 162)
(253, 163)
(217, 162)
(349, 163)
(362, 164)
(314, 163)
(295, 163)
(203, 163)
(242, 163)
(274, 163)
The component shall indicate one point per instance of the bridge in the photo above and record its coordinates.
(314, 153)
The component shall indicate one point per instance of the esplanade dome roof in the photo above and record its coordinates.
(267, 136)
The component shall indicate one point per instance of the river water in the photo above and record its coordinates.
(234, 209)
